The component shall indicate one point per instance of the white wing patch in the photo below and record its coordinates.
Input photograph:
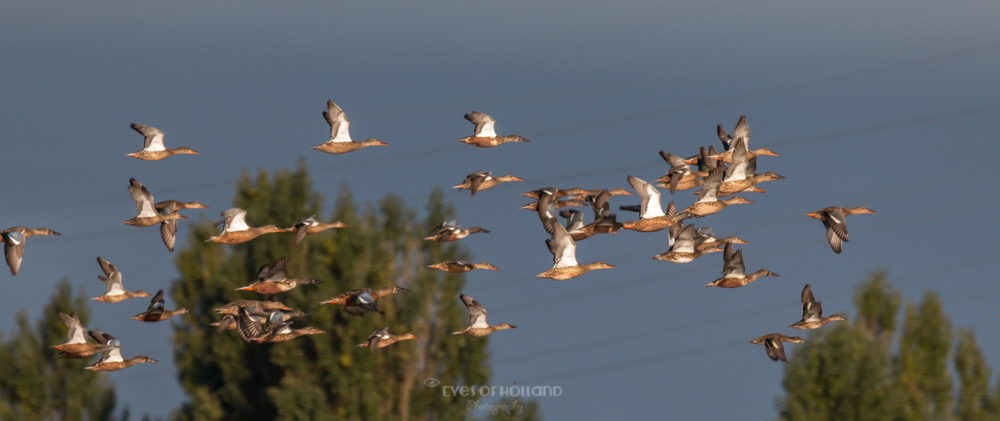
(479, 321)
(155, 143)
(237, 223)
(487, 130)
(341, 132)
(146, 209)
(115, 285)
(114, 355)
(651, 203)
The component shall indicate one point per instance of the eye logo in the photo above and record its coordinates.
(432, 382)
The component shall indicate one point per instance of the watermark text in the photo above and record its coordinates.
(500, 391)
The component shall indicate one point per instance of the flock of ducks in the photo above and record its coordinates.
(256, 321)
(718, 175)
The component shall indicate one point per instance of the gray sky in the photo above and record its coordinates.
(889, 105)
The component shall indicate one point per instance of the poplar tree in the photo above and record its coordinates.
(844, 370)
(924, 347)
(974, 402)
(849, 371)
(326, 376)
(34, 384)
(878, 305)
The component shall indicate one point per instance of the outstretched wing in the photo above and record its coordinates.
(339, 124)
(143, 199)
(477, 313)
(484, 124)
(650, 196)
(152, 137)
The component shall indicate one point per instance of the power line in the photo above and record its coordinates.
(893, 125)
(878, 127)
(788, 248)
(617, 340)
(779, 90)
(789, 88)
(872, 128)
(784, 219)
(718, 347)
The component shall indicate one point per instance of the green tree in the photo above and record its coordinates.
(849, 371)
(326, 376)
(878, 303)
(844, 371)
(34, 384)
(923, 360)
(974, 380)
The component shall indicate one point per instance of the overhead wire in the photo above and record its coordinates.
(620, 339)
(641, 280)
(872, 128)
(563, 130)
(716, 347)
(785, 305)
(847, 76)
(921, 214)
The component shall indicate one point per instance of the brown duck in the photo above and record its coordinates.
(152, 148)
(357, 301)
(772, 344)
(708, 202)
(651, 215)
(111, 356)
(114, 289)
(14, 239)
(459, 266)
(310, 226)
(147, 215)
(733, 271)
(251, 330)
(834, 219)
(477, 319)
(340, 136)
(236, 230)
(562, 247)
(273, 279)
(450, 231)
(76, 345)
(382, 338)
(157, 312)
(812, 312)
(482, 180)
(486, 135)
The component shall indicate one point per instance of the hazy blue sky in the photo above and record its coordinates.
(893, 105)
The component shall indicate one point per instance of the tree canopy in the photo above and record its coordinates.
(326, 376)
(34, 384)
(849, 370)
